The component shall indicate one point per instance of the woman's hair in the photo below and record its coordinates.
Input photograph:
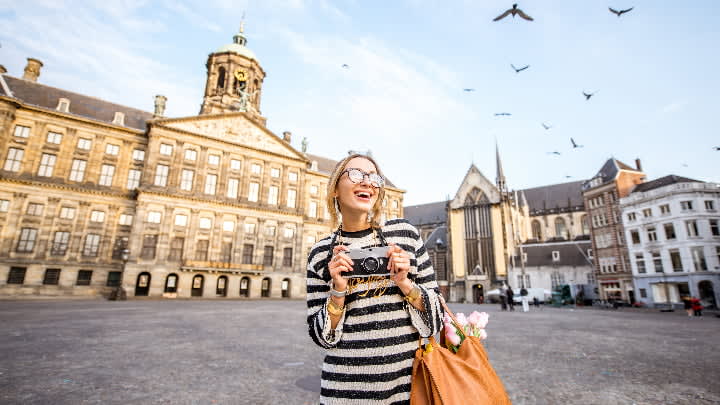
(332, 184)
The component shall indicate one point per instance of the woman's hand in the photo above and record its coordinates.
(340, 263)
(399, 265)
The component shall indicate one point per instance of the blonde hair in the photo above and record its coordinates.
(332, 185)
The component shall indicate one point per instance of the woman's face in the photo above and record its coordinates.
(356, 199)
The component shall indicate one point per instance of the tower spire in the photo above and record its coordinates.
(500, 176)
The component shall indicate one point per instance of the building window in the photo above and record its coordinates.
(67, 212)
(255, 168)
(154, 217)
(228, 226)
(186, 180)
(106, 175)
(640, 262)
(669, 231)
(268, 256)
(60, 243)
(121, 244)
(63, 105)
(675, 260)
(631, 216)
(191, 155)
(213, 160)
(555, 256)
(133, 181)
(97, 216)
(269, 231)
(54, 137)
(92, 245)
(22, 131)
(171, 283)
(181, 220)
(232, 188)
(291, 198)
(273, 195)
(652, 234)
(665, 209)
(657, 262)
(138, 154)
(313, 189)
(35, 209)
(312, 211)
(113, 279)
(536, 230)
(4, 205)
(247, 256)
(557, 279)
(226, 252)
(161, 175)
(77, 171)
(234, 164)
(111, 149)
(118, 118)
(698, 256)
(14, 160)
(205, 223)
(289, 233)
(647, 212)
(166, 149)
(210, 183)
(253, 192)
(287, 257)
(249, 228)
(692, 229)
(125, 219)
(84, 277)
(47, 164)
(560, 229)
(52, 277)
(635, 236)
(292, 176)
(149, 247)
(84, 144)
(590, 254)
(643, 293)
(709, 205)
(275, 173)
(686, 205)
(201, 250)
(16, 275)
(176, 249)
(265, 287)
(717, 253)
(714, 230)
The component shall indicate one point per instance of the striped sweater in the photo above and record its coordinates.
(370, 353)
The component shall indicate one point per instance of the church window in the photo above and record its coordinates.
(560, 229)
(221, 78)
(536, 230)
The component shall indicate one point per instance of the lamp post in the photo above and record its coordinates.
(119, 293)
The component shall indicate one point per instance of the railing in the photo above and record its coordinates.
(201, 264)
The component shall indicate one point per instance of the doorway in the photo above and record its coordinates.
(197, 286)
(478, 294)
(707, 294)
(142, 285)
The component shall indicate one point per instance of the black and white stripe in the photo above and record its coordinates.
(370, 353)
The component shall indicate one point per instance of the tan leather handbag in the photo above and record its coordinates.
(442, 377)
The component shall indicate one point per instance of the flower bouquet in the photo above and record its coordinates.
(473, 325)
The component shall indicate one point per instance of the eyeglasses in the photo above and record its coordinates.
(357, 176)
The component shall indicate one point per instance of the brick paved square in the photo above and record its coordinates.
(258, 352)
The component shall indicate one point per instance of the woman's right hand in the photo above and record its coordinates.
(340, 263)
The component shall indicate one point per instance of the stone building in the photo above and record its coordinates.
(95, 195)
(672, 228)
(601, 195)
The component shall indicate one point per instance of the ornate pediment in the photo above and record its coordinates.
(235, 128)
(475, 189)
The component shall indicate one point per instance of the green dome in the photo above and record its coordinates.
(238, 49)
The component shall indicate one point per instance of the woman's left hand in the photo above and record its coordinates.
(398, 263)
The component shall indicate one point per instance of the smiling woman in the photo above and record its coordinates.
(370, 326)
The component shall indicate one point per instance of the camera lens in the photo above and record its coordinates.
(371, 264)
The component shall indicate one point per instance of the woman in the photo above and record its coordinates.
(370, 327)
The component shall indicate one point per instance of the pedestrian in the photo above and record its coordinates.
(510, 299)
(369, 327)
(503, 302)
(524, 298)
(696, 306)
(687, 303)
(536, 302)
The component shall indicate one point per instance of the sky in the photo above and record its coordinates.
(652, 71)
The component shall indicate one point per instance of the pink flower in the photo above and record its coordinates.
(461, 319)
(483, 334)
(478, 319)
(452, 336)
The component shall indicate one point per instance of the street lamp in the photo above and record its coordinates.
(119, 293)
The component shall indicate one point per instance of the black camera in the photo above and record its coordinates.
(368, 262)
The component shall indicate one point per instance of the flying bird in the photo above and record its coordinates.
(520, 69)
(621, 12)
(546, 126)
(716, 147)
(345, 66)
(503, 113)
(574, 144)
(554, 153)
(469, 89)
(567, 177)
(514, 10)
(588, 95)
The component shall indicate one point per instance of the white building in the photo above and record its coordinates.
(672, 228)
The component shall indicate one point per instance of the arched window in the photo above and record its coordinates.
(197, 286)
(265, 287)
(537, 230)
(286, 288)
(585, 225)
(221, 78)
(171, 283)
(560, 228)
(142, 286)
(221, 289)
(245, 287)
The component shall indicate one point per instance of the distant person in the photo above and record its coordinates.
(503, 302)
(696, 307)
(524, 297)
(536, 302)
(687, 303)
(510, 299)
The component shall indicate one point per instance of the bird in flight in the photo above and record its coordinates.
(716, 147)
(514, 10)
(574, 144)
(469, 89)
(554, 153)
(588, 95)
(621, 12)
(345, 66)
(520, 69)
(567, 176)
(546, 126)
(503, 113)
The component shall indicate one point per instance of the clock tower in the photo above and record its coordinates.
(234, 80)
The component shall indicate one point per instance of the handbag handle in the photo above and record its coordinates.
(452, 317)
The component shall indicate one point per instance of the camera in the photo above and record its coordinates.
(367, 262)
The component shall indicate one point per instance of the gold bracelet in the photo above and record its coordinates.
(334, 308)
(413, 295)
